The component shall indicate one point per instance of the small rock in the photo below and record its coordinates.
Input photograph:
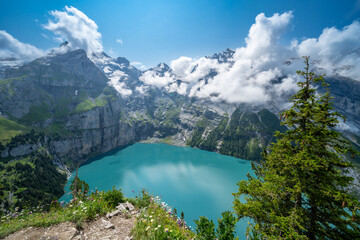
(121, 207)
(107, 224)
(114, 213)
(136, 213)
(129, 206)
(128, 238)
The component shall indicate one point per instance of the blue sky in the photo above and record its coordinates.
(160, 31)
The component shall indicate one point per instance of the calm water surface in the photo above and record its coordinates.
(194, 181)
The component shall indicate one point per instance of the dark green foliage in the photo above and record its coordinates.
(142, 200)
(33, 181)
(79, 188)
(248, 133)
(27, 138)
(226, 228)
(114, 197)
(205, 229)
(182, 219)
(299, 191)
(271, 122)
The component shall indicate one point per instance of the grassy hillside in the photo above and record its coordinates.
(9, 129)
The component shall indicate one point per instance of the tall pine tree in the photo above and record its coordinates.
(300, 189)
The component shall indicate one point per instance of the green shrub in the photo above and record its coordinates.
(226, 226)
(205, 229)
(79, 188)
(114, 197)
(142, 200)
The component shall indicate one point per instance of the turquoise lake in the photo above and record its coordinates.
(197, 182)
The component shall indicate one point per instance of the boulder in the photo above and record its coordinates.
(107, 224)
(121, 207)
(112, 214)
(129, 206)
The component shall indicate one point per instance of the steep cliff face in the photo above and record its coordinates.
(92, 132)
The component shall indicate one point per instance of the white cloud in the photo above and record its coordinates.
(264, 35)
(181, 89)
(116, 80)
(141, 89)
(121, 88)
(191, 70)
(120, 41)
(253, 76)
(181, 65)
(250, 78)
(10, 47)
(75, 27)
(336, 52)
(154, 79)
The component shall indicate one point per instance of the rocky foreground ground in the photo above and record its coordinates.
(115, 225)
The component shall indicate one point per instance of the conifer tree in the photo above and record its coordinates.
(300, 189)
(78, 187)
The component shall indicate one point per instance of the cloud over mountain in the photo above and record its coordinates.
(252, 74)
(259, 71)
(74, 26)
(10, 47)
(244, 78)
(250, 78)
(337, 52)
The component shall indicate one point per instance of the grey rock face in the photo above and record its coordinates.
(129, 206)
(23, 149)
(121, 207)
(113, 213)
(20, 150)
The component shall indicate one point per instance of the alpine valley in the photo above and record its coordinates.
(59, 110)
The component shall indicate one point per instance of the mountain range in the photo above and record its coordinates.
(69, 107)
